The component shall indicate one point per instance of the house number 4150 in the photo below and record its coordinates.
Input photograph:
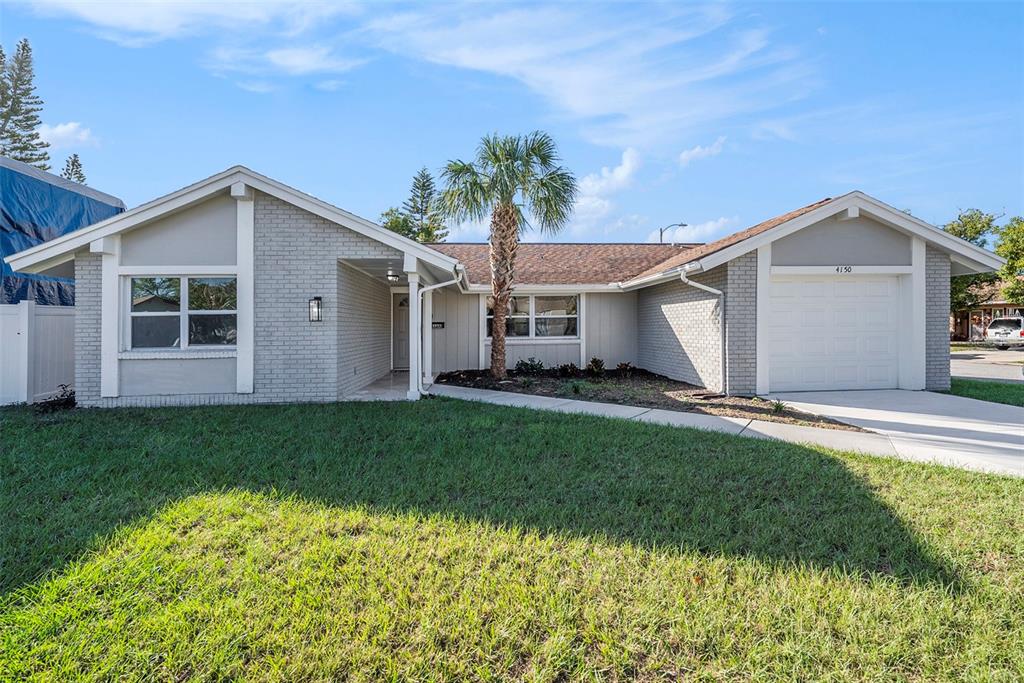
(844, 269)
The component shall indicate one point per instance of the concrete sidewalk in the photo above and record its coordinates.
(862, 442)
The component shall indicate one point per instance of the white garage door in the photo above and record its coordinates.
(833, 332)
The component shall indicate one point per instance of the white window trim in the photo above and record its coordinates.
(533, 337)
(184, 349)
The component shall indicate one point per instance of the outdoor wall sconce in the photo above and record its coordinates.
(316, 309)
(392, 277)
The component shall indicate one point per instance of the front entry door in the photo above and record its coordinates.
(400, 331)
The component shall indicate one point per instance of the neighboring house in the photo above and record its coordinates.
(266, 294)
(970, 324)
(36, 206)
(36, 314)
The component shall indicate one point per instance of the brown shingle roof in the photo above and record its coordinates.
(703, 250)
(569, 264)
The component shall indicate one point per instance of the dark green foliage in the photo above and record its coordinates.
(568, 370)
(529, 366)
(595, 368)
(73, 170)
(19, 109)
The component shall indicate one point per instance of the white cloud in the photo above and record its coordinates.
(298, 61)
(139, 22)
(70, 134)
(261, 87)
(632, 75)
(707, 231)
(612, 179)
(701, 152)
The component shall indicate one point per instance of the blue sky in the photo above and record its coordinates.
(715, 115)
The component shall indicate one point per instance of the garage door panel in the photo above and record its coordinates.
(837, 332)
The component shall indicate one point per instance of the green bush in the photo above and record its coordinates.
(568, 370)
(529, 366)
(595, 368)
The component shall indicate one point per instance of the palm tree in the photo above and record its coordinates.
(513, 177)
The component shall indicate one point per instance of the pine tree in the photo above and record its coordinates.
(423, 209)
(19, 110)
(73, 169)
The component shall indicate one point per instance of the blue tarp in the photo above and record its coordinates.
(35, 207)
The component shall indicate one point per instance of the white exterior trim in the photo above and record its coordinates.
(914, 342)
(110, 313)
(245, 287)
(839, 269)
(427, 315)
(414, 329)
(524, 289)
(764, 273)
(483, 331)
(194, 271)
(176, 354)
(581, 327)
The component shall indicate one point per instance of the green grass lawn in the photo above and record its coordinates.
(997, 392)
(445, 540)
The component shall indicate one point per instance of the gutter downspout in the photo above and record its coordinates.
(721, 326)
(423, 290)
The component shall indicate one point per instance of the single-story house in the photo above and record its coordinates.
(240, 289)
(970, 324)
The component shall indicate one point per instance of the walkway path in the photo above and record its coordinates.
(837, 439)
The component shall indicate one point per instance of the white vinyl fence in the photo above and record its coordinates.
(37, 352)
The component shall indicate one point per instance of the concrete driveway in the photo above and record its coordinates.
(986, 363)
(926, 426)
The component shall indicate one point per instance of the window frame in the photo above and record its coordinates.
(182, 313)
(533, 317)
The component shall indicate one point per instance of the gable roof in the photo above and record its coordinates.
(62, 249)
(565, 263)
(702, 250)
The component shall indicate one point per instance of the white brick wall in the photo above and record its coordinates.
(295, 360)
(936, 319)
(678, 332)
(364, 329)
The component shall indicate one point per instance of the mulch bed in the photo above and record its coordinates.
(638, 388)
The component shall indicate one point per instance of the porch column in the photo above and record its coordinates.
(428, 337)
(414, 335)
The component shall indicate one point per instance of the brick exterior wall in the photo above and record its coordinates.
(741, 324)
(364, 329)
(678, 333)
(88, 270)
(936, 319)
(679, 336)
(296, 258)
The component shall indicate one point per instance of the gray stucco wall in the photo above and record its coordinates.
(857, 242)
(364, 329)
(678, 333)
(937, 267)
(203, 235)
(296, 258)
(611, 326)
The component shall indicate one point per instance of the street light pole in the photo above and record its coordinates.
(661, 231)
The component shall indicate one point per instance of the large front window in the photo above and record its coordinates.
(539, 316)
(182, 312)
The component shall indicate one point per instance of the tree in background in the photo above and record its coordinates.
(19, 109)
(975, 226)
(73, 169)
(420, 217)
(394, 220)
(1010, 245)
(423, 208)
(511, 178)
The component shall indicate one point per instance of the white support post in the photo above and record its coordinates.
(26, 342)
(414, 333)
(918, 331)
(427, 314)
(110, 313)
(246, 288)
(764, 270)
(581, 328)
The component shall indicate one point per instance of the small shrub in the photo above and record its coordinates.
(595, 368)
(526, 382)
(64, 399)
(576, 387)
(529, 366)
(568, 370)
(778, 407)
(625, 369)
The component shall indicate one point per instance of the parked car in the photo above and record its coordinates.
(1005, 332)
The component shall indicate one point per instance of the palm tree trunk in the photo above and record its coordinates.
(504, 244)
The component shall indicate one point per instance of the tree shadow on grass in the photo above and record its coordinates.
(68, 479)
